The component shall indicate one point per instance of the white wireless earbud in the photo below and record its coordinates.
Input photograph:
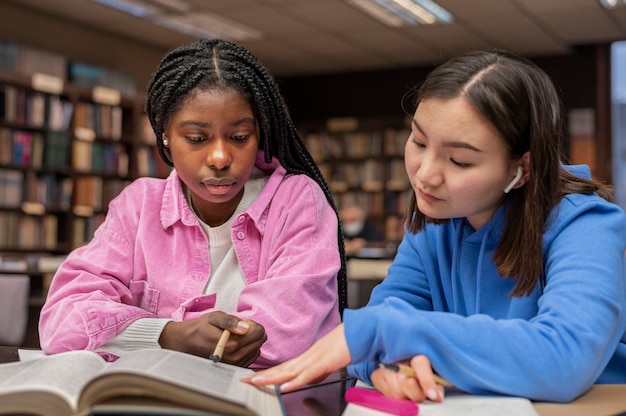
(515, 180)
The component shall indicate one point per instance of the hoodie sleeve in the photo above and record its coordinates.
(554, 356)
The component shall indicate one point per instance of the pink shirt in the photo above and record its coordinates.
(149, 259)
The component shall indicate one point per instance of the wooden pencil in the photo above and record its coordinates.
(408, 371)
(219, 347)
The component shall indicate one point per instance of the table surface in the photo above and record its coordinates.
(327, 399)
(366, 269)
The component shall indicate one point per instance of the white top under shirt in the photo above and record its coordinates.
(225, 279)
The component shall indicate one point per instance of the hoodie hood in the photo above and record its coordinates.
(484, 241)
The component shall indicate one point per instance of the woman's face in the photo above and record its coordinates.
(213, 139)
(456, 161)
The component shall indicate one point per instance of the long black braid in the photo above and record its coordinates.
(217, 63)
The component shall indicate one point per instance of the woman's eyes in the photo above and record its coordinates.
(460, 164)
(453, 160)
(199, 139)
(195, 139)
(418, 143)
(240, 138)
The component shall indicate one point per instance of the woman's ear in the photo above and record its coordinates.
(515, 181)
(522, 174)
(525, 164)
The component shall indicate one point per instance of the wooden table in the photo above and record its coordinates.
(363, 275)
(600, 400)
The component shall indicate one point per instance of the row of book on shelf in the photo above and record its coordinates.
(386, 209)
(24, 59)
(27, 262)
(57, 193)
(34, 109)
(372, 175)
(54, 150)
(98, 120)
(375, 204)
(31, 218)
(325, 145)
(27, 232)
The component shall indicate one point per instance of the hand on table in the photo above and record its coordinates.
(328, 354)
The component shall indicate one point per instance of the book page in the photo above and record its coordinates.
(468, 405)
(26, 354)
(182, 378)
(458, 403)
(62, 374)
(461, 405)
(189, 371)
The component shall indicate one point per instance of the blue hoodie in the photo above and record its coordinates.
(444, 298)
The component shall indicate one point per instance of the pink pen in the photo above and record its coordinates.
(375, 400)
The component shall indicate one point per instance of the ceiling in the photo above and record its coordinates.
(329, 36)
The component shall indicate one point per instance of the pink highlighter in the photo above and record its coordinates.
(375, 400)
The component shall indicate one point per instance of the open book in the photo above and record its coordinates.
(140, 382)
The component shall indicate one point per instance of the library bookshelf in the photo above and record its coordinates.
(66, 150)
(362, 162)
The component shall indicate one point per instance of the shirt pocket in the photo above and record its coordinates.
(195, 307)
(144, 296)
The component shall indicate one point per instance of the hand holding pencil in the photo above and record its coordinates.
(239, 342)
(409, 372)
(241, 339)
(416, 381)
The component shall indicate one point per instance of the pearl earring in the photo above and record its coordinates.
(166, 142)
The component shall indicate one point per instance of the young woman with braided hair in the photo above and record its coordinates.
(242, 236)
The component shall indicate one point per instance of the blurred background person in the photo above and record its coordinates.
(360, 231)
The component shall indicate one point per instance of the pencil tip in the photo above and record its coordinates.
(214, 358)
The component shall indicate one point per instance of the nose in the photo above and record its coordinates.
(429, 173)
(218, 154)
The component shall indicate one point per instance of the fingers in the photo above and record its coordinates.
(385, 382)
(424, 374)
(243, 356)
(243, 350)
(328, 354)
(416, 383)
(285, 374)
(412, 390)
(396, 385)
(229, 322)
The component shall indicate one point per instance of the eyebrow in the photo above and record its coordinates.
(450, 143)
(204, 124)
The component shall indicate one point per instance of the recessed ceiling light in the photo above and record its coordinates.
(404, 12)
(612, 4)
(179, 16)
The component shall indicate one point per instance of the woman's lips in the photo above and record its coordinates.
(219, 186)
(427, 197)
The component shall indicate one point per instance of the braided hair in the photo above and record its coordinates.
(210, 63)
